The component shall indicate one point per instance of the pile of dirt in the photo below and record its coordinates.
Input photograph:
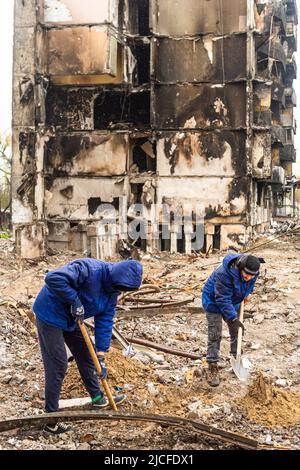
(269, 405)
(121, 371)
(139, 381)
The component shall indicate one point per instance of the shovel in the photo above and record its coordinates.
(238, 367)
(97, 364)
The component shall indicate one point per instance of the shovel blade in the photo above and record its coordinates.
(239, 369)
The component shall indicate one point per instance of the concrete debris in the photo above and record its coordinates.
(152, 389)
(163, 384)
(84, 446)
(258, 318)
(281, 383)
(291, 318)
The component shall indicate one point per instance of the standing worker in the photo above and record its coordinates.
(223, 292)
(82, 289)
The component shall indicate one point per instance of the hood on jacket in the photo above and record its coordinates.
(127, 274)
(229, 259)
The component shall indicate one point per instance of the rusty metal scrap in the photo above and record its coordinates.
(160, 347)
(156, 304)
(238, 440)
(137, 299)
(144, 289)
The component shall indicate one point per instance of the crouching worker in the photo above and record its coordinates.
(223, 292)
(82, 289)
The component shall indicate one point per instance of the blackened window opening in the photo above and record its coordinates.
(217, 238)
(181, 240)
(144, 155)
(121, 15)
(260, 187)
(141, 52)
(119, 110)
(165, 242)
(143, 15)
(137, 191)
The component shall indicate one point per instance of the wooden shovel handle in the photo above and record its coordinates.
(240, 332)
(97, 364)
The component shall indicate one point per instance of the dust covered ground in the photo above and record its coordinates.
(267, 409)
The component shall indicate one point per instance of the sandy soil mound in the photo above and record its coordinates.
(269, 405)
(121, 371)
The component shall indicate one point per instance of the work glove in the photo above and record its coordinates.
(234, 326)
(77, 311)
(101, 359)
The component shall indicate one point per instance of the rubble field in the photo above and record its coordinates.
(266, 409)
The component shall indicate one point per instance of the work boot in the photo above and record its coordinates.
(213, 378)
(102, 401)
(58, 428)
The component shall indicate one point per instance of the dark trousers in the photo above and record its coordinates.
(52, 343)
(214, 323)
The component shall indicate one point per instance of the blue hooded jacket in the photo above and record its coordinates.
(225, 289)
(91, 281)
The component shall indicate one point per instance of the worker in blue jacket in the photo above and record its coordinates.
(223, 292)
(82, 289)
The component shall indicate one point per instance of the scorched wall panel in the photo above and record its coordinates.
(190, 17)
(68, 198)
(209, 59)
(202, 154)
(90, 154)
(80, 12)
(81, 51)
(200, 106)
(218, 197)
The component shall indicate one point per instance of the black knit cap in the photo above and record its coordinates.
(250, 265)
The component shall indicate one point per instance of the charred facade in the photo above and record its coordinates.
(158, 102)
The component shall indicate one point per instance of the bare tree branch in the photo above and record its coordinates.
(5, 172)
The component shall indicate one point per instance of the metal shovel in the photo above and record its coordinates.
(240, 370)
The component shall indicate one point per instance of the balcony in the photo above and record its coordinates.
(278, 12)
(262, 117)
(278, 175)
(278, 92)
(292, 10)
(272, 13)
(273, 49)
(291, 35)
(290, 96)
(287, 117)
(288, 153)
(99, 59)
(291, 69)
(278, 134)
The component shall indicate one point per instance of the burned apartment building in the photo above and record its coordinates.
(181, 104)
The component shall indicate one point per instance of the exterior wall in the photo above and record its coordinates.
(199, 106)
(99, 51)
(201, 154)
(214, 195)
(68, 198)
(174, 102)
(70, 12)
(86, 154)
(188, 18)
